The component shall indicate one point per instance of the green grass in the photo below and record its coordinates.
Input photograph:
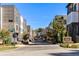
(2, 48)
(73, 45)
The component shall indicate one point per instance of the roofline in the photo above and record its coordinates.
(68, 4)
(8, 5)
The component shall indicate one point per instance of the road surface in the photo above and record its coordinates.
(42, 49)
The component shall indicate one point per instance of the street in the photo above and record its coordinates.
(31, 50)
(41, 49)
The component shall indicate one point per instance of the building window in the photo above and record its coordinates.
(17, 20)
(11, 28)
(17, 27)
(10, 20)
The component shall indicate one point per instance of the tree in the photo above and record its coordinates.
(51, 35)
(39, 29)
(58, 25)
(25, 39)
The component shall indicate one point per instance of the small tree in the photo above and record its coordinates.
(25, 39)
(4, 34)
(58, 25)
(26, 36)
(51, 35)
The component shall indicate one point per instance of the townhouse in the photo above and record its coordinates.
(11, 20)
(73, 21)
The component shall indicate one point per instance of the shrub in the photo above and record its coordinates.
(66, 45)
(8, 40)
(25, 37)
(4, 34)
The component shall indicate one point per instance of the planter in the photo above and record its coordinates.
(70, 45)
(67, 39)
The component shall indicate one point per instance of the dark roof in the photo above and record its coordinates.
(68, 4)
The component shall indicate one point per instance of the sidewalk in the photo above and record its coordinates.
(20, 45)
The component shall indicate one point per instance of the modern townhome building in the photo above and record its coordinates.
(29, 31)
(9, 18)
(23, 26)
(73, 21)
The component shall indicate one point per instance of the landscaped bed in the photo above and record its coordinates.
(70, 45)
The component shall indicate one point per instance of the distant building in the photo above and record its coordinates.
(28, 29)
(73, 20)
(25, 26)
(33, 33)
(21, 25)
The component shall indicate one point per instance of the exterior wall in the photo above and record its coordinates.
(21, 24)
(33, 33)
(10, 19)
(17, 20)
(72, 17)
(25, 26)
(73, 30)
(7, 14)
(0, 17)
(73, 20)
(28, 29)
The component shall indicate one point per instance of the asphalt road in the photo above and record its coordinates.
(30, 50)
(42, 49)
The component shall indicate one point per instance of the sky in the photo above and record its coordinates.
(39, 15)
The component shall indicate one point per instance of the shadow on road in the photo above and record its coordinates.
(72, 53)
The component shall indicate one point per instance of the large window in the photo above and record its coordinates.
(17, 20)
(11, 28)
(17, 28)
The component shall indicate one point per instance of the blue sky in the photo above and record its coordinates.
(40, 14)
